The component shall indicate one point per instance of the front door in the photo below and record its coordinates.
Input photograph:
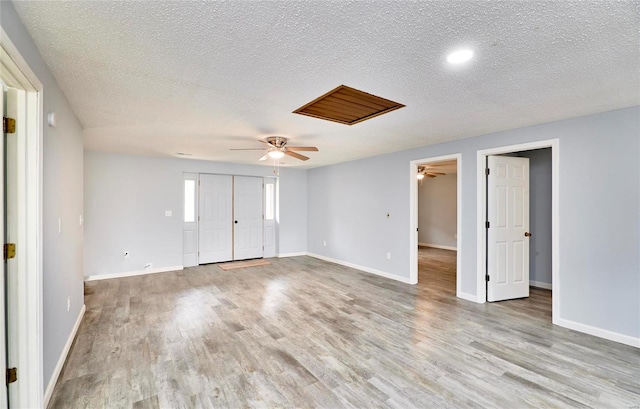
(215, 220)
(508, 231)
(247, 211)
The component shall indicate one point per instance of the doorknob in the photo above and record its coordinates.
(236, 222)
(526, 234)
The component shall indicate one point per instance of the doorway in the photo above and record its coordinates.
(21, 164)
(435, 236)
(437, 223)
(482, 209)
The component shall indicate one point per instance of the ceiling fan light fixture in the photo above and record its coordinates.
(276, 154)
(420, 176)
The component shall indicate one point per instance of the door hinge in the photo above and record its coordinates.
(9, 251)
(487, 171)
(8, 125)
(12, 375)
(487, 224)
(487, 277)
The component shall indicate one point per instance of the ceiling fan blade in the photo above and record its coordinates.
(431, 175)
(248, 149)
(265, 156)
(302, 148)
(437, 173)
(296, 155)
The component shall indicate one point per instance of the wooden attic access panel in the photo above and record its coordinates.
(347, 106)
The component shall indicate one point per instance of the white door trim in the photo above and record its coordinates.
(413, 216)
(30, 375)
(481, 293)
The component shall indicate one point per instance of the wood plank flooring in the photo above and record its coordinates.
(302, 333)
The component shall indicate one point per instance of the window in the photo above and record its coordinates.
(269, 201)
(189, 201)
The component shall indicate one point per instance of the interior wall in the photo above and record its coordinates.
(62, 200)
(126, 198)
(540, 211)
(599, 236)
(437, 211)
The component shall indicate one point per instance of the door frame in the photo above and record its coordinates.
(29, 392)
(413, 216)
(554, 144)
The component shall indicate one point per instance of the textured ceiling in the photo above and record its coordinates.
(155, 78)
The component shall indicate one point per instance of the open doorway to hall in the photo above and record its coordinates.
(437, 224)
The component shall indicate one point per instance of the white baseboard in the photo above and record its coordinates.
(282, 255)
(540, 284)
(362, 268)
(133, 273)
(599, 332)
(467, 296)
(437, 246)
(63, 357)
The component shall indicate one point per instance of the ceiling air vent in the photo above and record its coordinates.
(347, 106)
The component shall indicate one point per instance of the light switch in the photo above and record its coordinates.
(168, 213)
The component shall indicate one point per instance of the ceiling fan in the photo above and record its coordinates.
(277, 149)
(428, 171)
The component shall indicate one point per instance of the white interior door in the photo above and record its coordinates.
(269, 217)
(3, 312)
(14, 155)
(215, 220)
(247, 210)
(508, 216)
(190, 220)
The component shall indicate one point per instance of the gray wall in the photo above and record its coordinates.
(599, 213)
(437, 210)
(540, 213)
(126, 197)
(62, 198)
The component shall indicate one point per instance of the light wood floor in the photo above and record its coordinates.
(306, 333)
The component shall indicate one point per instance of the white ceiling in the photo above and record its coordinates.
(156, 78)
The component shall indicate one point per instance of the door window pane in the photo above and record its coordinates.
(189, 201)
(269, 197)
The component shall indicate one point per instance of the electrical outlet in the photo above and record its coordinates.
(126, 254)
(388, 256)
(168, 213)
(148, 266)
(68, 304)
(324, 243)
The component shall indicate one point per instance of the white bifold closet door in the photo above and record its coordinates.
(215, 224)
(248, 216)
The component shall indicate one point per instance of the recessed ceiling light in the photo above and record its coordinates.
(460, 56)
